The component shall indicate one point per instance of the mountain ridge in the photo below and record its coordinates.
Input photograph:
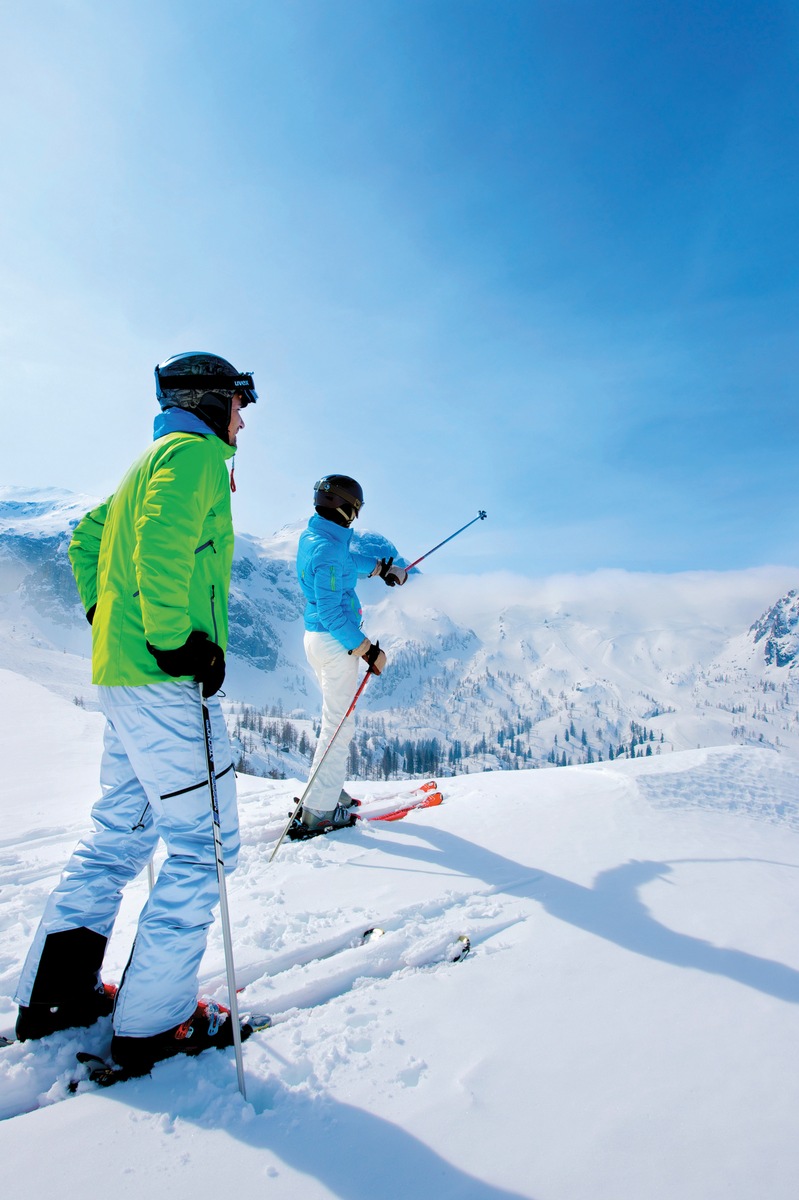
(485, 672)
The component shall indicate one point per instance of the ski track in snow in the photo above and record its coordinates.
(284, 984)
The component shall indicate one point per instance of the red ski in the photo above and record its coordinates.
(391, 807)
(426, 796)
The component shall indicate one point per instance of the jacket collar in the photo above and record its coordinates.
(329, 529)
(179, 420)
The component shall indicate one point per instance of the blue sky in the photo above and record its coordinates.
(539, 258)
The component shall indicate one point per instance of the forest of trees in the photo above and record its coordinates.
(572, 748)
(265, 736)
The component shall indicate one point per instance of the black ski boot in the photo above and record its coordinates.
(67, 991)
(210, 1027)
(308, 824)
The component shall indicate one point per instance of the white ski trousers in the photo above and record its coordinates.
(154, 783)
(337, 672)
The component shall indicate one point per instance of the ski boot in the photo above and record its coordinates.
(209, 1027)
(308, 824)
(67, 992)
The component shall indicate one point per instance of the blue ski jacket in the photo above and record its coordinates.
(328, 570)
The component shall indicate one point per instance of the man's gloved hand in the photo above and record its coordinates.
(371, 654)
(198, 657)
(90, 613)
(390, 574)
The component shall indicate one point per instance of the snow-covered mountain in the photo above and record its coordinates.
(485, 672)
(778, 629)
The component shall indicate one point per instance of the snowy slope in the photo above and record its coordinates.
(622, 1030)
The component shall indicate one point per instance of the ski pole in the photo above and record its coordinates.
(223, 906)
(481, 516)
(317, 768)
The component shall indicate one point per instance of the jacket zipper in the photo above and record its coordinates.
(205, 546)
(213, 613)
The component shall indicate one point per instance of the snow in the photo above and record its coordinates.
(40, 511)
(623, 1028)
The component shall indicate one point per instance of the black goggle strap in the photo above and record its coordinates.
(336, 492)
(211, 383)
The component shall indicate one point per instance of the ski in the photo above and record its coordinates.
(358, 937)
(103, 1073)
(430, 801)
(289, 960)
(399, 803)
(96, 1071)
(426, 796)
(388, 962)
(401, 795)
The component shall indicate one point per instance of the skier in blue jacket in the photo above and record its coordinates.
(328, 570)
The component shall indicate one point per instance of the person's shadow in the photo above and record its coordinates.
(354, 1154)
(611, 909)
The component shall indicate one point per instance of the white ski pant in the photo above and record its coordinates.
(154, 783)
(337, 672)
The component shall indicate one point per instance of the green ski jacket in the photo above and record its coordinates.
(155, 558)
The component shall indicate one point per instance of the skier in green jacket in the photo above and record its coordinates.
(152, 565)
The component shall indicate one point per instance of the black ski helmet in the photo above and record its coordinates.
(339, 492)
(205, 384)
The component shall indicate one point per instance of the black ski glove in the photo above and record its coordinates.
(390, 574)
(375, 657)
(199, 657)
(90, 614)
(372, 655)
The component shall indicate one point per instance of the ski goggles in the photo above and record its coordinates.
(334, 492)
(242, 383)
